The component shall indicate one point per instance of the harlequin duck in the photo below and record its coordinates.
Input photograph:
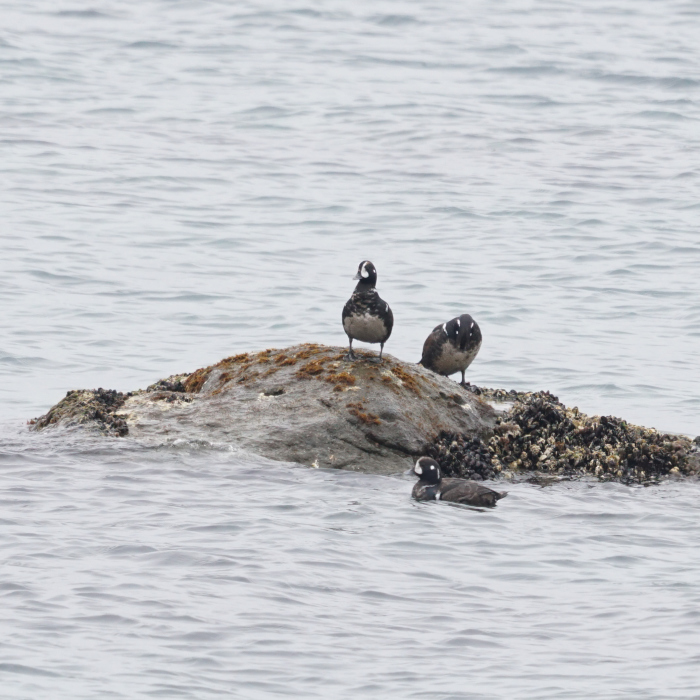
(432, 487)
(452, 346)
(366, 316)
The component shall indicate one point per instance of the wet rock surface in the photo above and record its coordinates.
(305, 404)
(308, 404)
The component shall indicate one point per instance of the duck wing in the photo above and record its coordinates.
(386, 314)
(424, 492)
(432, 347)
(470, 493)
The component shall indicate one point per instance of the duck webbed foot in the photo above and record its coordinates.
(378, 360)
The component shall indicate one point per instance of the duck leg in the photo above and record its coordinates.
(381, 350)
(351, 355)
(463, 383)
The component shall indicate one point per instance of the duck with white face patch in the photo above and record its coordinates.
(366, 316)
(452, 346)
(432, 487)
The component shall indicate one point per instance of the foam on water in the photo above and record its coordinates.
(183, 181)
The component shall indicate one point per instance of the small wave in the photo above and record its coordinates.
(159, 45)
(127, 550)
(304, 12)
(83, 14)
(456, 212)
(24, 360)
(111, 110)
(671, 83)
(265, 111)
(394, 20)
(665, 115)
(27, 670)
(542, 69)
(197, 444)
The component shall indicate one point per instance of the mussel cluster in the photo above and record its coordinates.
(462, 456)
(539, 434)
(110, 398)
(173, 383)
(99, 406)
(107, 402)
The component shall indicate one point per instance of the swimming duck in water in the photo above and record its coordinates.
(432, 487)
(366, 316)
(452, 346)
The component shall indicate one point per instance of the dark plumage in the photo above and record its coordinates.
(366, 316)
(432, 487)
(452, 346)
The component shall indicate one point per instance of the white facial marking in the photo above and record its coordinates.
(459, 324)
(418, 469)
(472, 325)
(432, 467)
(363, 272)
(387, 307)
(437, 496)
(444, 327)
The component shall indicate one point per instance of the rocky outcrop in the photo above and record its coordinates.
(542, 439)
(96, 409)
(303, 404)
(308, 404)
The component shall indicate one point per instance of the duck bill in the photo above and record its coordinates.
(357, 276)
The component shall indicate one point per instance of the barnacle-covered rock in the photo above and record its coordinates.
(463, 456)
(96, 409)
(538, 434)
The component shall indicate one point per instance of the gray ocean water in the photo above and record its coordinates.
(181, 181)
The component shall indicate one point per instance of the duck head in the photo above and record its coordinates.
(366, 274)
(463, 331)
(427, 470)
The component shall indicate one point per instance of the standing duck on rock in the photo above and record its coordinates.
(452, 346)
(432, 487)
(366, 316)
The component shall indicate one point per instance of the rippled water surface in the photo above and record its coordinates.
(180, 181)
